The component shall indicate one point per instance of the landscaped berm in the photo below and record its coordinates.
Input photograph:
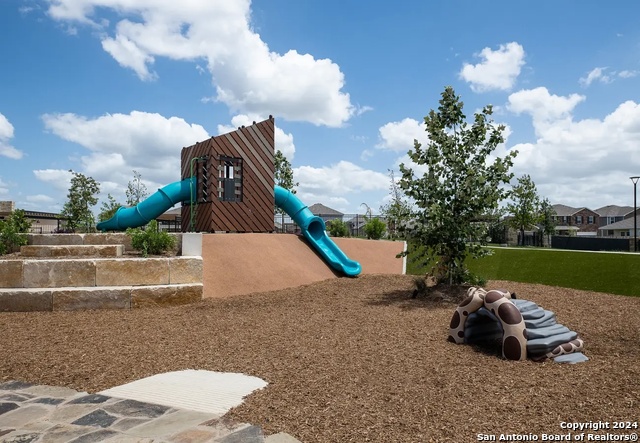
(349, 360)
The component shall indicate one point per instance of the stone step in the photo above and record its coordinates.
(80, 272)
(72, 251)
(111, 238)
(98, 297)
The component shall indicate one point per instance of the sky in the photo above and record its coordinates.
(106, 87)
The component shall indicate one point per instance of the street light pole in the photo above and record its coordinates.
(635, 214)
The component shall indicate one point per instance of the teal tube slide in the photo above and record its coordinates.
(312, 227)
(150, 208)
(314, 230)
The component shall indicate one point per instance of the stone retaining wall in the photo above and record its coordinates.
(100, 272)
(97, 297)
(122, 283)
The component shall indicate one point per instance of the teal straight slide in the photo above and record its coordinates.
(150, 208)
(314, 230)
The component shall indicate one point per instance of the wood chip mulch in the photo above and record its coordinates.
(348, 360)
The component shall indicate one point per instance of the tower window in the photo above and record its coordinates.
(230, 179)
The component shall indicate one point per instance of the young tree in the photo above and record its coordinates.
(108, 208)
(136, 190)
(283, 177)
(397, 211)
(284, 172)
(547, 220)
(80, 199)
(458, 188)
(374, 229)
(525, 208)
(13, 231)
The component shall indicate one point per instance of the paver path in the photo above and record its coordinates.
(38, 413)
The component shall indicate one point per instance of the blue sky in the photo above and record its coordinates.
(104, 87)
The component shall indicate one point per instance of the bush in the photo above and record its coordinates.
(13, 232)
(151, 240)
(374, 229)
(337, 228)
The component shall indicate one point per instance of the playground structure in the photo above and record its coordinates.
(525, 329)
(227, 185)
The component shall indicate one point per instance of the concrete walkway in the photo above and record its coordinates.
(38, 413)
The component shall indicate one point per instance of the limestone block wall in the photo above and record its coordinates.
(122, 283)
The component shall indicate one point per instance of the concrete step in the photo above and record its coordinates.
(97, 297)
(103, 251)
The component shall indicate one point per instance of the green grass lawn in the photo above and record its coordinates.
(603, 272)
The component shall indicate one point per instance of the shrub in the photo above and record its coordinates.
(374, 229)
(150, 240)
(337, 228)
(13, 232)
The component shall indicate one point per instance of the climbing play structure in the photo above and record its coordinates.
(227, 185)
(525, 329)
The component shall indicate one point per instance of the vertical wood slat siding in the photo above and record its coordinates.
(255, 145)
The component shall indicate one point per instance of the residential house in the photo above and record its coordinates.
(575, 221)
(325, 213)
(620, 229)
(356, 225)
(613, 214)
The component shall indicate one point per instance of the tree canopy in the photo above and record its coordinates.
(13, 231)
(458, 187)
(284, 172)
(397, 211)
(82, 196)
(283, 177)
(136, 190)
(525, 206)
(108, 208)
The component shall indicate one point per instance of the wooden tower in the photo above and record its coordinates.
(234, 181)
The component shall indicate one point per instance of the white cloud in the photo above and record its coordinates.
(119, 143)
(399, 136)
(366, 154)
(628, 74)
(580, 162)
(248, 77)
(283, 141)
(596, 74)
(4, 187)
(6, 134)
(40, 198)
(129, 55)
(498, 69)
(542, 105)
(60, 179)
(359, 110)
(328, 183)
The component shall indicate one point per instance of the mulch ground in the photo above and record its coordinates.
(349, 360)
